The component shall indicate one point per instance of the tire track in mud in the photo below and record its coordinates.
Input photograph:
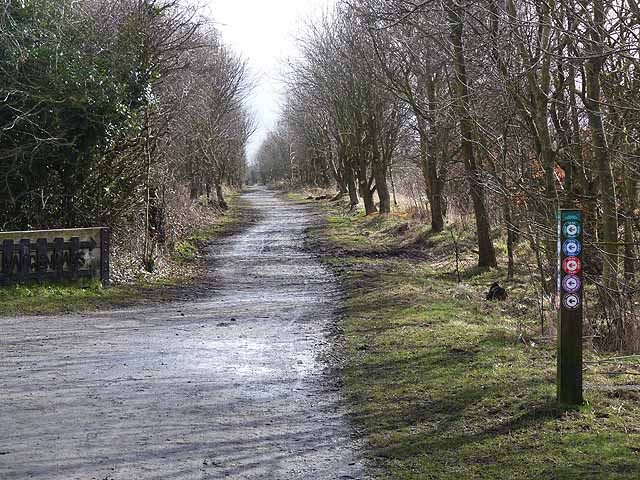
(230, 385)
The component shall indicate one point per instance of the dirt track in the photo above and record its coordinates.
(230, 385)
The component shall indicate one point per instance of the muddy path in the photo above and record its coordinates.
(233, 384)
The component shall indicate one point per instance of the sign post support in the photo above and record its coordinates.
(570, 291)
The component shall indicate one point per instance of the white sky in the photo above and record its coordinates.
(263, 31)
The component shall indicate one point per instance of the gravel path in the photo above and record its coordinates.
(229, 385)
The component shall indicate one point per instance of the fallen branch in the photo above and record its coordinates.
(614, 359)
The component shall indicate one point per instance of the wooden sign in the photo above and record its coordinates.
(570, 293)
(54, 255)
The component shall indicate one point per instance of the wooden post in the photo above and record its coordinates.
(58, 257)
(74, 257)
(570, 292)
(42, 262)
(25, 260)
(105, 246)
(7, 258)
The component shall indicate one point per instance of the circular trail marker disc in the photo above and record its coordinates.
(571, 265)
(571, 284)
(571, 229)
(572, 247)
(571, 302)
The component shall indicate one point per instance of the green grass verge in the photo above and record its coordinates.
(441, 384)
(37, 299)
(54, 298)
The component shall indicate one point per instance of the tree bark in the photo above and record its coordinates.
(194, 190)
(510, 240)
(350, 182)
(434, 186)
(486, 251)
(630, 254)
(535, 113)
(367, 197)
(209, 192)
(384, 195)
(364, 185)
(592, 71)
(382, 188)
(220, 194)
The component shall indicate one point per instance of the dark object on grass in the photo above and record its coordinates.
(322, 197)
(496, 292)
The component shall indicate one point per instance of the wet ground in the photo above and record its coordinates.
(233, 383)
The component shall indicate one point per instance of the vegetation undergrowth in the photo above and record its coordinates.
(446, 385)
(52, 298)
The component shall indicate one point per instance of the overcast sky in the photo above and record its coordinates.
(263, 31)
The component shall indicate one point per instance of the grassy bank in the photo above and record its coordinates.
(445, 385)
(187, 258)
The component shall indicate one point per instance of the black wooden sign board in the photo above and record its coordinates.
(54, 255)
(570, 292)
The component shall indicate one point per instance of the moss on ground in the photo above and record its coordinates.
(445, 385)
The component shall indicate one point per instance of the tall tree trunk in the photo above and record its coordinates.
(220, 194)
(384, 195)
(631, 194)
(209, 191)
(367, 197)
(341, 180)
(194, 190)
(535, 113)
(434, 186)
(629, 251)
(382, 188)
(592, 71)
(393, 187)
(511, 236)
(486, 251)
(351, 188)
(364, 185)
